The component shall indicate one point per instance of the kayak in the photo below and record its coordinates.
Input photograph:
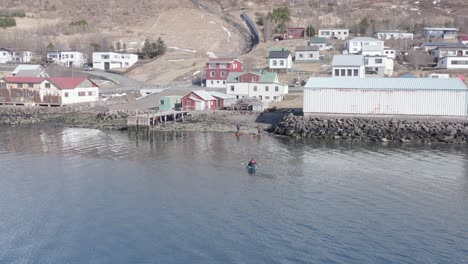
(251, 169)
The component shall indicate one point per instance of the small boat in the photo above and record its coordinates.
(251, 169)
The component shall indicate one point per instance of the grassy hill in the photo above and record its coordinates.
(195, 29)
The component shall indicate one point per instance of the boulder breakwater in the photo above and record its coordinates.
(373, 129)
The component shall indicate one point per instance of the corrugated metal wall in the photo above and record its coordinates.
(384, 102)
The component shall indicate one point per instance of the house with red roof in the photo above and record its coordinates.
(199, 100)
(463, 39)
(217, 70)
(50, 91)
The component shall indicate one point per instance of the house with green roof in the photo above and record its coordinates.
(261, 85)
(321, 43)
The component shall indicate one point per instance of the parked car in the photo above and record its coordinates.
(87, 68)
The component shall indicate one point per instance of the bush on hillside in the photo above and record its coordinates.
(6, 22)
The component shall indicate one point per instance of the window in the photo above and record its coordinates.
(19, 94)
(343, 72)
(378, 61)
(223, 66)
(71, 56)
(223, 74)
(255, 88)
(366, 61)
(126, 64)
(274, 98)
(243, 78)
(30, 85)
(47, 85)
(459, 62)
(3, 84)
(224, 82)
(105, 57)
(254, 79)
(161, 102)
(281, 62)
(355, 72)
(354, 43)
(345, 33)
(301, 55)
(232, 88)
(212, 65)
(266, 88)
(212, 74)
(90, 94)
(311, 55)
(267, 97)
(274, 63)
(337, 72)
(66, 94)
(81, 93)
(349, 72)
(20, 85)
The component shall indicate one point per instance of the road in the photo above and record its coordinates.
(122, 82)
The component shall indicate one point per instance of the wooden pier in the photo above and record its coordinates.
(153, 119)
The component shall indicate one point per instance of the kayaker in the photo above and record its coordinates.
(252, 163)
(238, 126)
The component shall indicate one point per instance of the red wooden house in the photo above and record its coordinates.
(198, 100)
(217, 70)
(294, 33)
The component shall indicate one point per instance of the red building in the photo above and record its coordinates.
(217, 70)
(198, 100)
(294, 33)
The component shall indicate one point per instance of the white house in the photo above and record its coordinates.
(307, 54)
(321, 43)
(47, 91)
(453, 62)
(378, 66)
(280, 60)
(429, 46)
(348, 66)
(354, 46)
(386, 96)
(263, 86)
(68, 58)
(392, 34)
(445, 33)
(463, 39)
(5, 55)
(448, 52)
(112, 60)
(336, 33)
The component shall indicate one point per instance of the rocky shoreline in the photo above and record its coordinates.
(370, 129)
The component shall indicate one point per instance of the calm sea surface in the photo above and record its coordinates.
(90, 196)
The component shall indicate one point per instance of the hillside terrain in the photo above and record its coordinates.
(197, 29)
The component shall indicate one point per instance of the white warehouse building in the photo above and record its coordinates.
(386, 96)
(112, 60)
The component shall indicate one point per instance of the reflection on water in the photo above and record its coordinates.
(81, 196)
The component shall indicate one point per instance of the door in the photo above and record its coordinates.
(106, 66)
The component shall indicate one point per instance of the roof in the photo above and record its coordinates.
(61, 83)
(221, 95)
(443, 44)
(9, 50)
(334, 29)
(221, 60)
(408, 75)
(365, 39)
(277, 49)
(265, 77)
(372, 48)
(386, 83)
(68, 82)
(279, 54)
(317, 40)
(203, 95)
(15, 79)
(348, 60)
(22, 67)
(30, 73)
(307, 48)
(392, 31)
(435, 28)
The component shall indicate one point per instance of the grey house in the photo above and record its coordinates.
(307, 54)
